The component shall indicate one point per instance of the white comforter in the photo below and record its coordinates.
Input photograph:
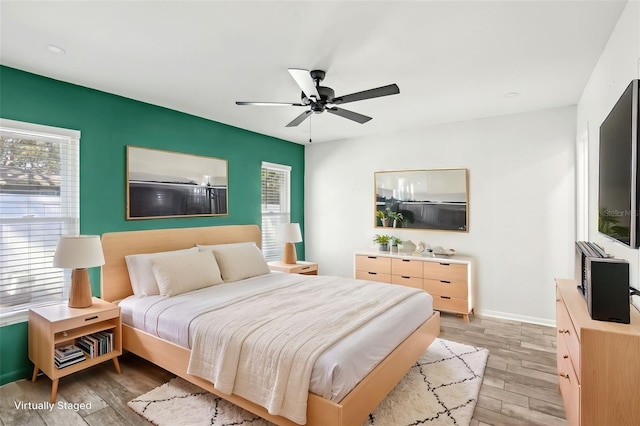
(263, 346)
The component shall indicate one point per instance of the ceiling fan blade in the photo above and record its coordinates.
(299, 119)
(304, 80)
(349, 114)
(391, 89)
(268, 104)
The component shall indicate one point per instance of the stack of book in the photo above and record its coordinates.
(65, 356)
(96, 344)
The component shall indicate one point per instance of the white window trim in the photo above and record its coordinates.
(286, 194)
(45, 133)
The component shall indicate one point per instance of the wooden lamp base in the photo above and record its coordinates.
(80, 292)
(289, 254)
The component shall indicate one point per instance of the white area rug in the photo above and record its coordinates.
(440, 389)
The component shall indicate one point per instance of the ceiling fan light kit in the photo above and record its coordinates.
(319, 99)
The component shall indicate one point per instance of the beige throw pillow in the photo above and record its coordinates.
(185, 272)
(240, 261)
(143, 283)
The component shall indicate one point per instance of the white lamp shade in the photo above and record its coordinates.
(78, 251)
(290, 233)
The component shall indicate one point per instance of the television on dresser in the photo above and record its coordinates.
(618, 196)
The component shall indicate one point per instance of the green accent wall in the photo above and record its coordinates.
(108, 123)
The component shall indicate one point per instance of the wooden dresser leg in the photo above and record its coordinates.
(116, 364)
(36, 370)
(466, 318)
(54, 390)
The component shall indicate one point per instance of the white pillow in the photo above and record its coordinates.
(143, 282)
(240, 261)
(185, 272)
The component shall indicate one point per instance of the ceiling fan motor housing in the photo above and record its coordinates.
(326, 96)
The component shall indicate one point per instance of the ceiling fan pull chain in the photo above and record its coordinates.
(310, 130)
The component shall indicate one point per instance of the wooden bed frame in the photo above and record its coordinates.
(351, 411)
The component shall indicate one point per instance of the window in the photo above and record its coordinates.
(39, 201)
(275, 207)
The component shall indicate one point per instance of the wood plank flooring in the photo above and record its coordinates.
(519, 387)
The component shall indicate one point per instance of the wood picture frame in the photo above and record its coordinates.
(162, 184)
(436, 199)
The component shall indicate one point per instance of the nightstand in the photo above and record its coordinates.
(300, 267)
(54, 326)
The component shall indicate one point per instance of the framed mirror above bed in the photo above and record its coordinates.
(164, 184)
(422, 199)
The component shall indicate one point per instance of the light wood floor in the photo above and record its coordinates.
(519, 388)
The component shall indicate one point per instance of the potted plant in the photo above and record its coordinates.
(395, 241)
(383, 215)
(398, 218)
(383, 241)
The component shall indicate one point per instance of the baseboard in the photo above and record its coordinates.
(514, 317)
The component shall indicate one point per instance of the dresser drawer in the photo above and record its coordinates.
(568, 383)
(567, 333)
(445, 288)
(373, 264)
(445, 271)
(450, 304)
(406, 280)
(373, 276)
(406, 267)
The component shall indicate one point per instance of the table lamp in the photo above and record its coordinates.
(289, 233)
(79, 252)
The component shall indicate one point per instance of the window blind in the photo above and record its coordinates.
(39, 202)
(275, 207)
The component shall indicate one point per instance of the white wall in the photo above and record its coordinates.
(617, 66)
(521, 203)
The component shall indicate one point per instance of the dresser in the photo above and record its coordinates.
(448, 280)
(598, 363)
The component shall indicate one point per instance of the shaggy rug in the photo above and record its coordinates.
(440, 389)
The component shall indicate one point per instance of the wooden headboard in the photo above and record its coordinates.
(114, 276)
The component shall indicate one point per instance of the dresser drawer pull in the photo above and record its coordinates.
(305, 267)
(445, 297)
(405, 277)
(372, 257)
(563, 331)
(564, 376)
(445, 282)
(91, 318)
(565, 356)
(406, 260)
(372, 273)
(445, 264)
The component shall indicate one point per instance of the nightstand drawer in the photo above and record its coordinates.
(87, 319)
(373, 264)
(300, 267)
(311, 269)
(406, 267)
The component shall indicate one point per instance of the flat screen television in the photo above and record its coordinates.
(618, 197)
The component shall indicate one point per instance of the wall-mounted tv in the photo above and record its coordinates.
(618, 196)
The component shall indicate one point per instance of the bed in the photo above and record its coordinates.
(351, 409)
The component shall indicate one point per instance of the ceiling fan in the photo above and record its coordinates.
(320, 98)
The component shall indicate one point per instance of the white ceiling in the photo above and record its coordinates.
(452, 60)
